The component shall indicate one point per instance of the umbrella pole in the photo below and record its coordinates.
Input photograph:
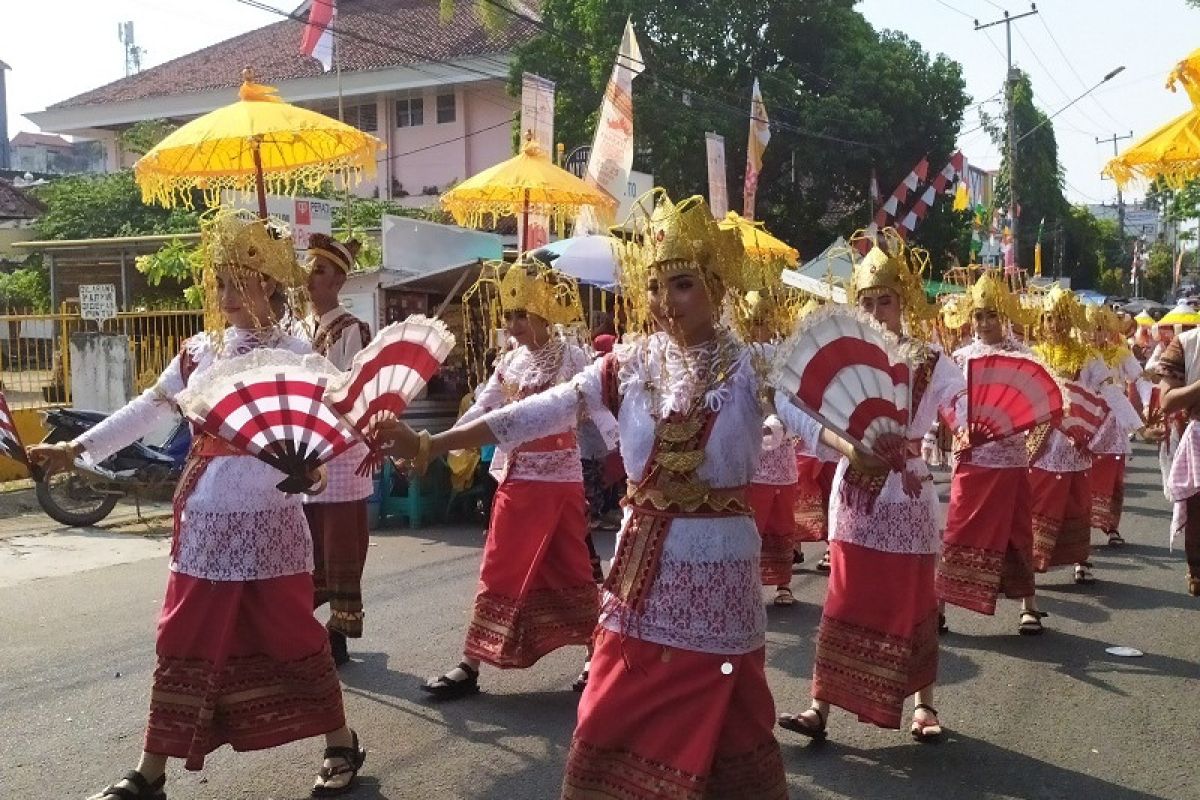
(259, 183)
(524, 226)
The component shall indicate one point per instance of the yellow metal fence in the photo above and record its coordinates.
(35, 357)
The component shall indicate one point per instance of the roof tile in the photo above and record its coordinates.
(393, 33)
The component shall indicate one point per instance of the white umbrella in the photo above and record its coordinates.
(590, 259)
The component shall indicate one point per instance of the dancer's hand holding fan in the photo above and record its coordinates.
(385, 377)
(269, 404)
(849, 373)
(1007, 394)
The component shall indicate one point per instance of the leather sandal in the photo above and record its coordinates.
(798, 723)
(784, 597)
(1083, 574)
(142, 788)
(447, 688)
(1193, 585)
(823, 565)
(1115, 539)
(352, 758)
(581, 682)
(926, 732)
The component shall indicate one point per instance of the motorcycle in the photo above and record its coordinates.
(88, 493)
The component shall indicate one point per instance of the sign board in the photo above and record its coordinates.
(637, 185)
(718, 195)
(97, 301)
(304, 215)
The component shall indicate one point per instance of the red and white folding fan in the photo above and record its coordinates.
(1009, 394)
(1083, 415)
(851, 374)
(386, 375)
(268, 404)
(10, 440)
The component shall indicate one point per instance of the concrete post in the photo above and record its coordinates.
(101, 371)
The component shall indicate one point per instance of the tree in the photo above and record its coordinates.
(140, 137)
(843, 99)
(1038, 175)
(1092, 252)
(97, 206)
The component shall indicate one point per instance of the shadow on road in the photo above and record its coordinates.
(956, 768)
(1079, 657)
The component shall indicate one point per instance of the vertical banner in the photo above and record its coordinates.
(760, 135)
(718, 193)
(537, 120)
(612, 148)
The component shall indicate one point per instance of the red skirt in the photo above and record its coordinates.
(1062, 532)
(812, 498)
(1108, 490)
(877, 643)
(536, 592)
(988, 544)
(243, 663)
(340, 537)
(774, 514)
(658, 722)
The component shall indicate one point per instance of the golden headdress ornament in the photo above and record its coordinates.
(533, 287)
(1062, 305)
(662, 239)
(1102, 318)
(238, 245)
(891, 265)
(990, 291)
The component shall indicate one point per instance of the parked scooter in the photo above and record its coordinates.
(87, 494)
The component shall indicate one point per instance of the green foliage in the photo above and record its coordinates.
(827, 78)
(1039, 175)
(1092, 249)
(98, 206)
(27, 288)
(176, 261)
(140, 137)
(367, 213)
(1160, 266)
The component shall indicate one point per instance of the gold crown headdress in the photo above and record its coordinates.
(890, 264)
(238, 245)
(1062, 304)
(663, 239)
(990, 291)
(527, 285)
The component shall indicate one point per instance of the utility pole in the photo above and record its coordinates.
(1120, 200)
(1010, 86)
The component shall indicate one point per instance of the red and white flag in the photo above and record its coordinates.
(318, 34)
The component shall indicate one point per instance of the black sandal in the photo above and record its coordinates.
(446, 688)
(145, 790)
(943, 628)
(1030, 623)
(352, 760)
(1083, 574)
(581, 682)
(823, 565)
(797, 723)
(1115, 539)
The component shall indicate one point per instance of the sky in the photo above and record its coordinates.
(62, 48)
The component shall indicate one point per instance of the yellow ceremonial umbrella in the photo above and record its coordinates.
(1144, 320)
(757, 242)
(257, 143)
(1173, 151)
(528, 183)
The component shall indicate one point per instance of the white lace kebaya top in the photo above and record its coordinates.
(706, 595)
(236, 525)
(1012, 451)
(899, 523)
(1112, 437)
(518, 373)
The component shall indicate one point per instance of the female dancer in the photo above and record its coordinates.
(988, 546)
(241, 658)
(678, 703)
(1059, 476)
(1110, 373)
(536, 591)
(878, 642)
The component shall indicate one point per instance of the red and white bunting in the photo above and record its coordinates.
(941, 183)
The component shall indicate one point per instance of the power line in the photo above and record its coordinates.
(680, 89)
(958, 11)
(1053, 80)
(509, 121)
(1074, 72)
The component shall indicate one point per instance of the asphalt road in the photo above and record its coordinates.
(1050, 718)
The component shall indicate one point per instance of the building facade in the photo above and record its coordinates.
(434, 91)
